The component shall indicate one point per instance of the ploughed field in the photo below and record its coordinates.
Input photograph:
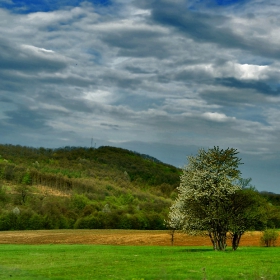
(114, 237)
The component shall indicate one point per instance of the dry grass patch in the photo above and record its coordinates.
(114, 237)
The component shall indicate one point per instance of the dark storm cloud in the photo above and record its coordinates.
(232, 98)
(209, 28)
(5, 99)
(68, 80)
(238, 103)
(195, 75)
(5, 128)
(199, 26)
(258, 86)
(112, 126)
(23, 58)
(139, 70)
(137, 43)
(14, 81)
(121, 80)
(24, 117)
(62, 104)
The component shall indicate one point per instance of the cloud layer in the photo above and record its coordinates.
(160, 77)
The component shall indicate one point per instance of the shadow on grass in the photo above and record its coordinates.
(191, 250)
(9, 272)
(203, 250)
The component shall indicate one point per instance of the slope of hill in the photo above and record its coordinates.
(76, 187)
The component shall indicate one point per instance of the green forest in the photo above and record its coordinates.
(89, 188)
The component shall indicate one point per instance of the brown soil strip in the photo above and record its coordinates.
(114, 237)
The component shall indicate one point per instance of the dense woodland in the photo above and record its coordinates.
(77, 187)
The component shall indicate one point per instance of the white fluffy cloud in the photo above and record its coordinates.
(217, 117)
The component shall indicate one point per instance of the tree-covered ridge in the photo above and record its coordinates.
(76, 187)
(139, 167)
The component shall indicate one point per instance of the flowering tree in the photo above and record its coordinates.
(204, 195)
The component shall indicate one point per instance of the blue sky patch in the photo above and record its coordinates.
(228, 2)
(32, 6)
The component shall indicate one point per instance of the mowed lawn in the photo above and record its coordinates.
(136, 262)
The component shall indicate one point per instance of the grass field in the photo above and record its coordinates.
(28, 262)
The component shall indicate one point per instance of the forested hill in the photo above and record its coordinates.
(76, 160)
(76, 187)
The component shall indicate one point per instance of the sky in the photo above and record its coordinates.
(159, 77)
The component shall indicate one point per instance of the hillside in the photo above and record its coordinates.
(76, 187)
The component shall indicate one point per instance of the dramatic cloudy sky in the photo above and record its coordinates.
(160, 77)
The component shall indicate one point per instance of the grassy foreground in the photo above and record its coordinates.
(136, 262)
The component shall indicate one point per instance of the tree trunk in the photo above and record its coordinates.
(172, 233)
(212, 240)
(235, 240)
(218, 240)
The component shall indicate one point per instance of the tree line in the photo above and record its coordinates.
(108, 187)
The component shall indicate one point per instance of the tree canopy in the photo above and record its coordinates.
(210, 198)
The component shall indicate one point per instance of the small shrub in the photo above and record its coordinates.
(79, 201)
(125, 222)
(4, 197)
(89, 222)
(26, 180)
(6, 221)
(269, 237)
(36, 222)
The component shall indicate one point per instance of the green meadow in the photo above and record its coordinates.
(56, 262)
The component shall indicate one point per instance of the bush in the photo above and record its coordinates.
(269, 237)
(4, 198)
(156, 221)
(125, 222)
(6, 221)
(36, 222)
(79, 201)
(89, 222)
